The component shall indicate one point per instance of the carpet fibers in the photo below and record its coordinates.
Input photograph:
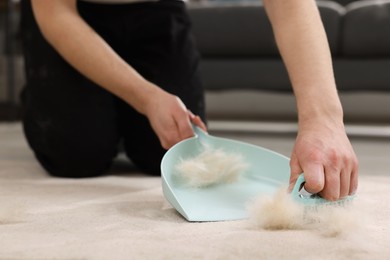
(124, 215)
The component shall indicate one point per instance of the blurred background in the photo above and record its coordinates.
(362, 106)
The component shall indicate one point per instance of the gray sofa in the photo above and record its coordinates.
(239, 52)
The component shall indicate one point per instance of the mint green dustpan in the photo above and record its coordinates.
(267, 172)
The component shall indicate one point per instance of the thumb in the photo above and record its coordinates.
(295, 171)
(314, 177)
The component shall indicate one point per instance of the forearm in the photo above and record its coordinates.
(303, 45)
(86, 51)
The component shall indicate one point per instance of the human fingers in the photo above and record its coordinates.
(178, 130)
(331, 189)
(349, 174)
(168, 133)
(196, 120)
(295, 171)
(354, 178)
(345, 180)
(184, 128)
(314, 177)
(183, 123)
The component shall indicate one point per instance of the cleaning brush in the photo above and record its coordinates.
(312, 201)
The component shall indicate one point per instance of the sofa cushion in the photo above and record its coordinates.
(232, 29)
(366, 29)
(332, 14)
(271, 74)
(262, 74)
(235, 29)
(344, 2)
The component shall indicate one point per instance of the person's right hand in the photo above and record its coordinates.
(170, 119)
(324, 154)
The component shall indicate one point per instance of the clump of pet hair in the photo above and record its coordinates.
(211, 166)
(276, 213)
(281, 212)
(335, 220)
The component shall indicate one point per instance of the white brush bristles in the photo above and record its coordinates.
(211, 166)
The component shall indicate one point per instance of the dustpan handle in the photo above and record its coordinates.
(199, 133)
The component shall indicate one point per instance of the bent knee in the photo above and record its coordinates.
(77, 165)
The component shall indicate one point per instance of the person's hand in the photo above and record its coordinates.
(196, 120)
(324, 154)
(170, 119)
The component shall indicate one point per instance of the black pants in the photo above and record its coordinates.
(74, 126)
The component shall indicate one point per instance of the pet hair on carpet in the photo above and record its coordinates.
(281, 212)
(211, 166)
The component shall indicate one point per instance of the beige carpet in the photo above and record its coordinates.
(124, 215)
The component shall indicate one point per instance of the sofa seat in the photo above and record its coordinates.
(239, 51)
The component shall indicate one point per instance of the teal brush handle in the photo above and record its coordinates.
(307, 199)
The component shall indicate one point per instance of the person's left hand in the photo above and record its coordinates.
(324, 154)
